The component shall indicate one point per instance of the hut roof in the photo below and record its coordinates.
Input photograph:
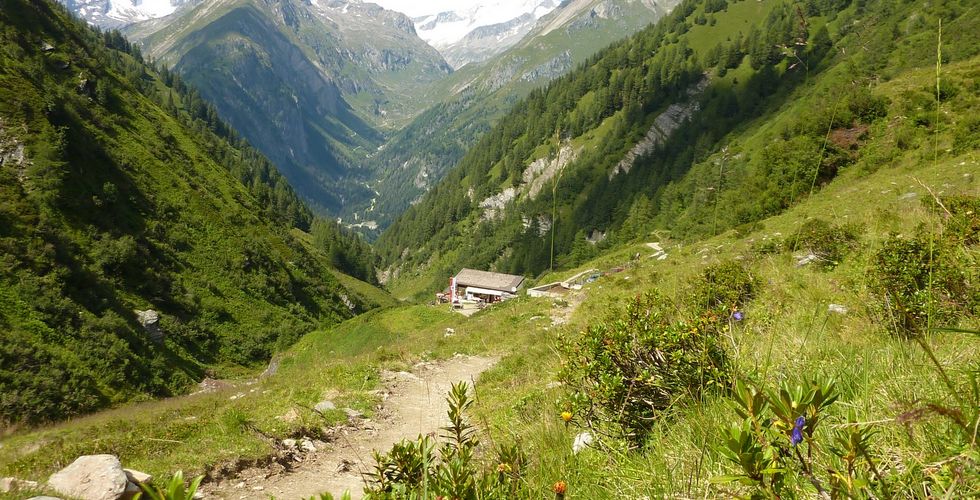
(486, 279)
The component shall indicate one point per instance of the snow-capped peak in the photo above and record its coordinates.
(117, 13)
(442, 23)
(140, 10)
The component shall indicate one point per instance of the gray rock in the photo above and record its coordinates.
(323, 406)
(837, 309)
(137, 477)
(272, 368)
(289, 443)
(8, 484)
(131, 491)
(307, 446)
(91, 477)
(352, 413)
(150, 320)
(806, 259)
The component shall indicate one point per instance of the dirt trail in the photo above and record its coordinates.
(416, 404)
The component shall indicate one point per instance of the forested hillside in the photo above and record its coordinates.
(144, 245)
(418, 156)
(719, 115)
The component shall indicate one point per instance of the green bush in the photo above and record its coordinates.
(919, 283)
(722, 288)
(961, 218)
(828, 242)
(630, 367)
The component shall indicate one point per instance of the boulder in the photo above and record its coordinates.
(150, 320)
(91, 477)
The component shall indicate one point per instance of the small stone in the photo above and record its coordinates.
(44, 497)
(806, 259)
(91, 477)
(289, 443)
(8, 484)
(130, 492)
(553, 385)
(353, 414)
(241, 484)
(326, 405)
(307, 446)
(258, 488)
(837, 309)
(582, 441)
(198, 495)
(137, 477)
(290, 416)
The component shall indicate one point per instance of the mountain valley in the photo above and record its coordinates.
(736, 242)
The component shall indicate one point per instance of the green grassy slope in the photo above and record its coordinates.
(129, 196)
(778, 79)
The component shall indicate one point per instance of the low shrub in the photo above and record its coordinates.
(629, 368)
(830, 243)
(961, 218)
(721, 289)
(919, 283)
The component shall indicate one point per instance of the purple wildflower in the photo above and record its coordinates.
(797, 436)
(737, 315)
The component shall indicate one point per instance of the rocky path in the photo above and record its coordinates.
(415, 404)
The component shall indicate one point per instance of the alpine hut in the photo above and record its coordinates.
(484, 285)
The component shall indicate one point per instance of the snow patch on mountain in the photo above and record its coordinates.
(119, 13)
(493, 24)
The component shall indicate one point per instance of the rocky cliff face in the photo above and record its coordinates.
(663, 125)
